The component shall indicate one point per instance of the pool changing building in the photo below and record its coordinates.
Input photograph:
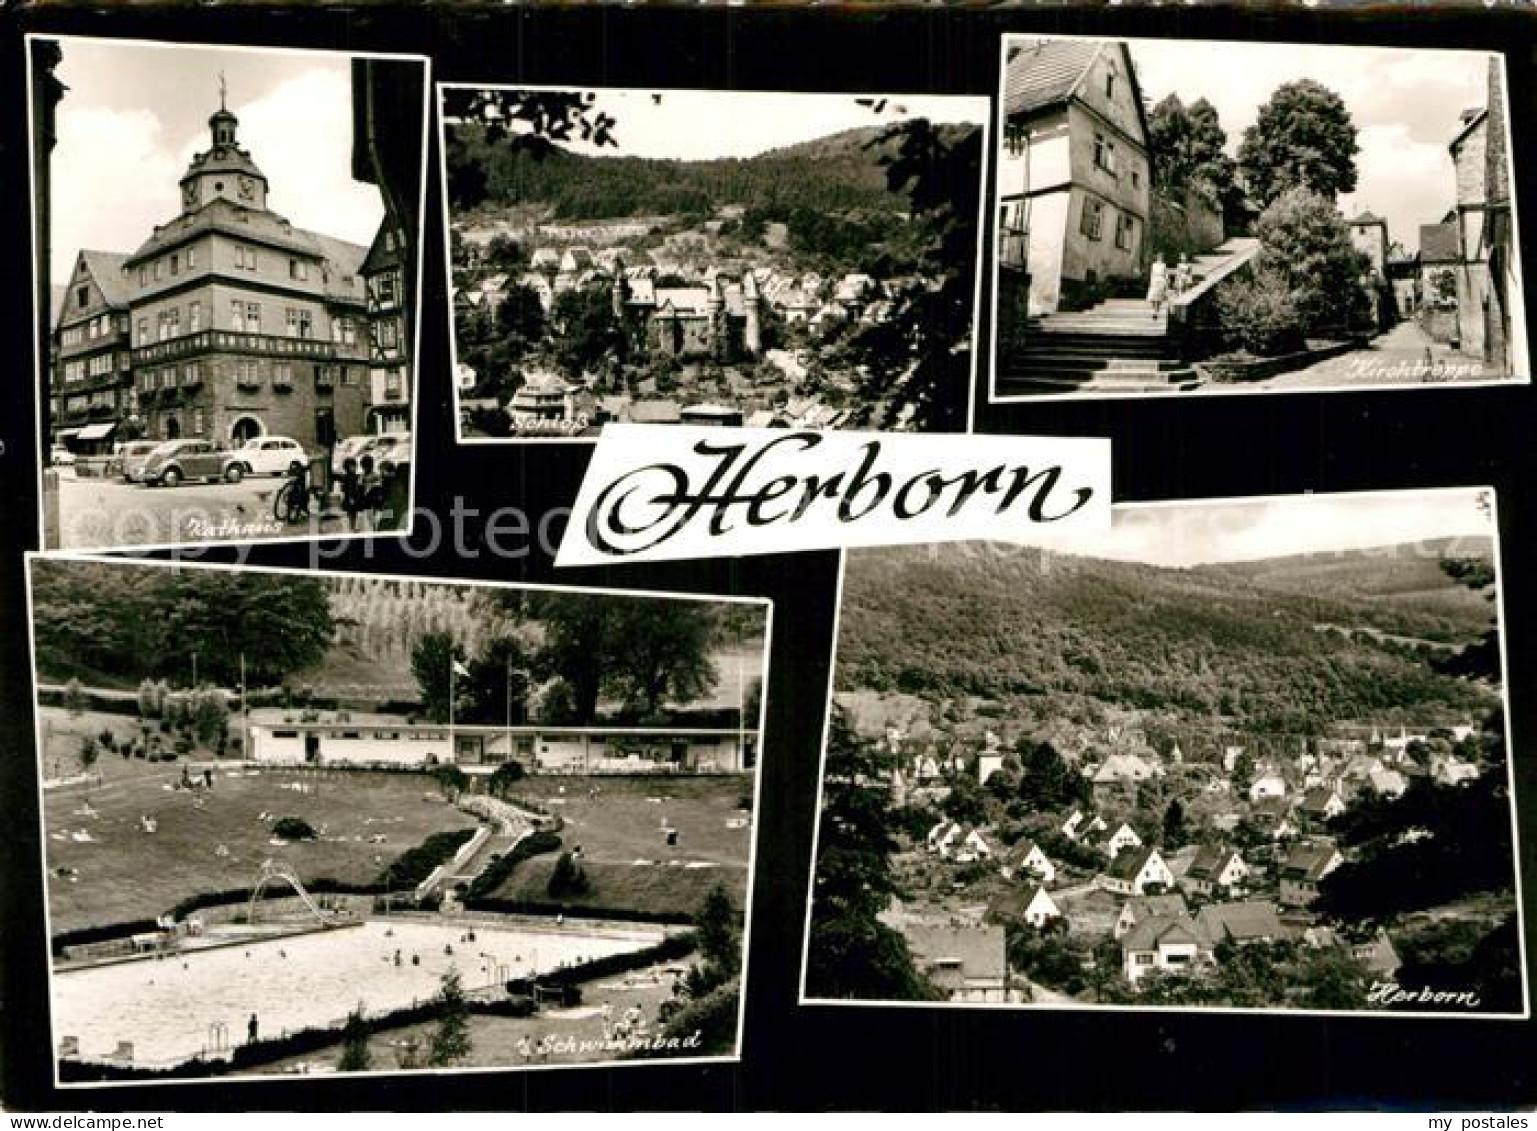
(539, 749)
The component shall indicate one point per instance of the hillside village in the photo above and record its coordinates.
(1268, 783)
(717, 341)
(817, 284)
(1159, 863)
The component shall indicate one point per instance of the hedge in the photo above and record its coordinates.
(414, 865)
(496, 873)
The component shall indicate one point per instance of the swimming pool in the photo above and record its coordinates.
(170, 1007)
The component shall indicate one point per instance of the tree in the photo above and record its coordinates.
(1190, 148)
(74, 698)
(451, 780)
(90, 750)
(504, 253)
(496, 689)
(850, 952)
(662, 651)
(1305, 241)
(915, 365)
(520, 320)
(431, 663)
(1175, 833)
(567, 878)
(586, 331)
(355, 1054)
(503, 777)
(641, 650)
(451, 1041)
(717, 932)
(1304, 138)
(1243, 772)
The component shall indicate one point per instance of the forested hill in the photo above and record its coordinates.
(841, 172)
(941, 621)
(1404, 588)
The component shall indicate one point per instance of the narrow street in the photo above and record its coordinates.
(1404, 355)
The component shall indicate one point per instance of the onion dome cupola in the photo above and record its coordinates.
(223, 171)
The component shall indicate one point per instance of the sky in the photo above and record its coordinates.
(691, 125)
(135, 113)
(1405, 104)
(1195, 533)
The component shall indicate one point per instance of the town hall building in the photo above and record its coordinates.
(228, 322)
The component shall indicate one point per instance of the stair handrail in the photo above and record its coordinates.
(1236, 261)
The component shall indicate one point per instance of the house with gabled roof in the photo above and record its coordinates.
(1213, 869)
(1074, 179)
(1134, 871)
(962, 843)
(1321, 803)
(1246, 921)
(1141, 907)
(1028, 859)
(1308, 862)
(967, 963)
(1161, 942)
(1112, 844)
(1040, 908)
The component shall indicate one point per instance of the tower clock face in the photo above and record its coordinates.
(247, 188)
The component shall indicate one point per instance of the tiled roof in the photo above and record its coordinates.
(1128, 864)
(1308, 859)
(1046, 73)
(979, 950)
(1157, 929)
(1244, 921)
(1438, 243)
(107, 270)
(1209, 861)
(1317, 799)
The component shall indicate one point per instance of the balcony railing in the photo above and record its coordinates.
(239, 341)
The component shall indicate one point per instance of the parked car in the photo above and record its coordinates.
(176, 460)
(270, 455)
(349, 448)
(393, 446)
(130, 459)
(61, 457)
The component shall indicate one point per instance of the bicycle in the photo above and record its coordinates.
(293, 506)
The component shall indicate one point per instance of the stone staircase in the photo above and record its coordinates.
(1118, 346)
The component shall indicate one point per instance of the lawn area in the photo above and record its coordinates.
(624, 849)
(61, 733)
(122, 873)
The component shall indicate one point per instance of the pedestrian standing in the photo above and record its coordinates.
(347, 481)
(370, 491)
(1158, 286)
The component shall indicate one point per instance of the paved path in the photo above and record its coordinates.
(1405, 355)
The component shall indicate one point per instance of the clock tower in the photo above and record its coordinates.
(224, 171)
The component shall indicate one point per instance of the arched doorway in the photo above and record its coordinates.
(246, 428)
(172, 428)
